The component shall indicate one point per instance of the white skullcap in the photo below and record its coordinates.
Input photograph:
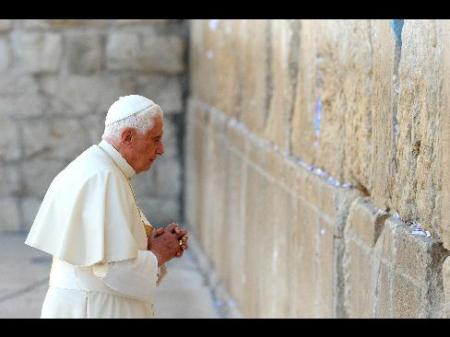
(126, 106)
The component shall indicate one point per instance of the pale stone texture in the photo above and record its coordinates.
(40, 172)
(19, 96)
(84, 53)
(321, 120)
(39, 52)
(418, 159)
(165, 90)
(147, 52)
(444, 35)
(54, 139)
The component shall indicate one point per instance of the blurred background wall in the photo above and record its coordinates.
(57, 81)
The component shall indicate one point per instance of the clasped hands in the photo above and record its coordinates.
(168, 242)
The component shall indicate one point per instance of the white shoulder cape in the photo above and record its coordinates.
(88, 214)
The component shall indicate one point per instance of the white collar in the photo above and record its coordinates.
(118, 159)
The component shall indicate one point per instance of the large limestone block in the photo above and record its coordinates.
(284, 42)
(382, 105)
(81, 95)
(306, 260)
(39, 52)
(255, 67)
(355, 62)
(444, 212)
(56, 138)
(307, 109)
(365, 221)
(202, 59)
(164, 90)
(235, 224)
(84, 53)
(226, 56)
(19, 95)
(417, 157)
(147, 52)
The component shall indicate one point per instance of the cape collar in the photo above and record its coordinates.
(120, 161)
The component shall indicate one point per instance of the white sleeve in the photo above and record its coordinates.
(133, 278)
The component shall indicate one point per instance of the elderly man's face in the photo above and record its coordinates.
(144, 148)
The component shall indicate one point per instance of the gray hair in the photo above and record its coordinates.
(142, 121)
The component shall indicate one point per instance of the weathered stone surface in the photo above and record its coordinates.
(10, 141)
(5, 54)
(165, 91)
(162, 54)
(354, 62)
(446, 284)
(284, 42)
(382, 114)
(254, 92)
(122, 50)
(39, 52)
(365, 221)
(84, 53)
(9, 214)
(417, 156)
(359, 281)
(407, 299)
(307, 109)
(54, 139)
(40, 173)
(19, 96)
(5, 25)
(84, 95)
(146, 53)
(9, 181)
(93, 125)
(444, 212)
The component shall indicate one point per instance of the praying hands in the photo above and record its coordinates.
(168, 242)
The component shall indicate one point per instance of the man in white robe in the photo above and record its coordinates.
(107, 259)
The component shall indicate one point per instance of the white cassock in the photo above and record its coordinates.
(90, 222)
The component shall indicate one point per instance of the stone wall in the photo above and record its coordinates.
(57, 81)
(313, 166)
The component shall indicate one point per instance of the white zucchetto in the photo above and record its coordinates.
(126, 106)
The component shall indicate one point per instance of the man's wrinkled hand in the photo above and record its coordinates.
(181, 235)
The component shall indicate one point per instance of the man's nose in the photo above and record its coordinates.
(161, 149)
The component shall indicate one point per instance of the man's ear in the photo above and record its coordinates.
(127, 135)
